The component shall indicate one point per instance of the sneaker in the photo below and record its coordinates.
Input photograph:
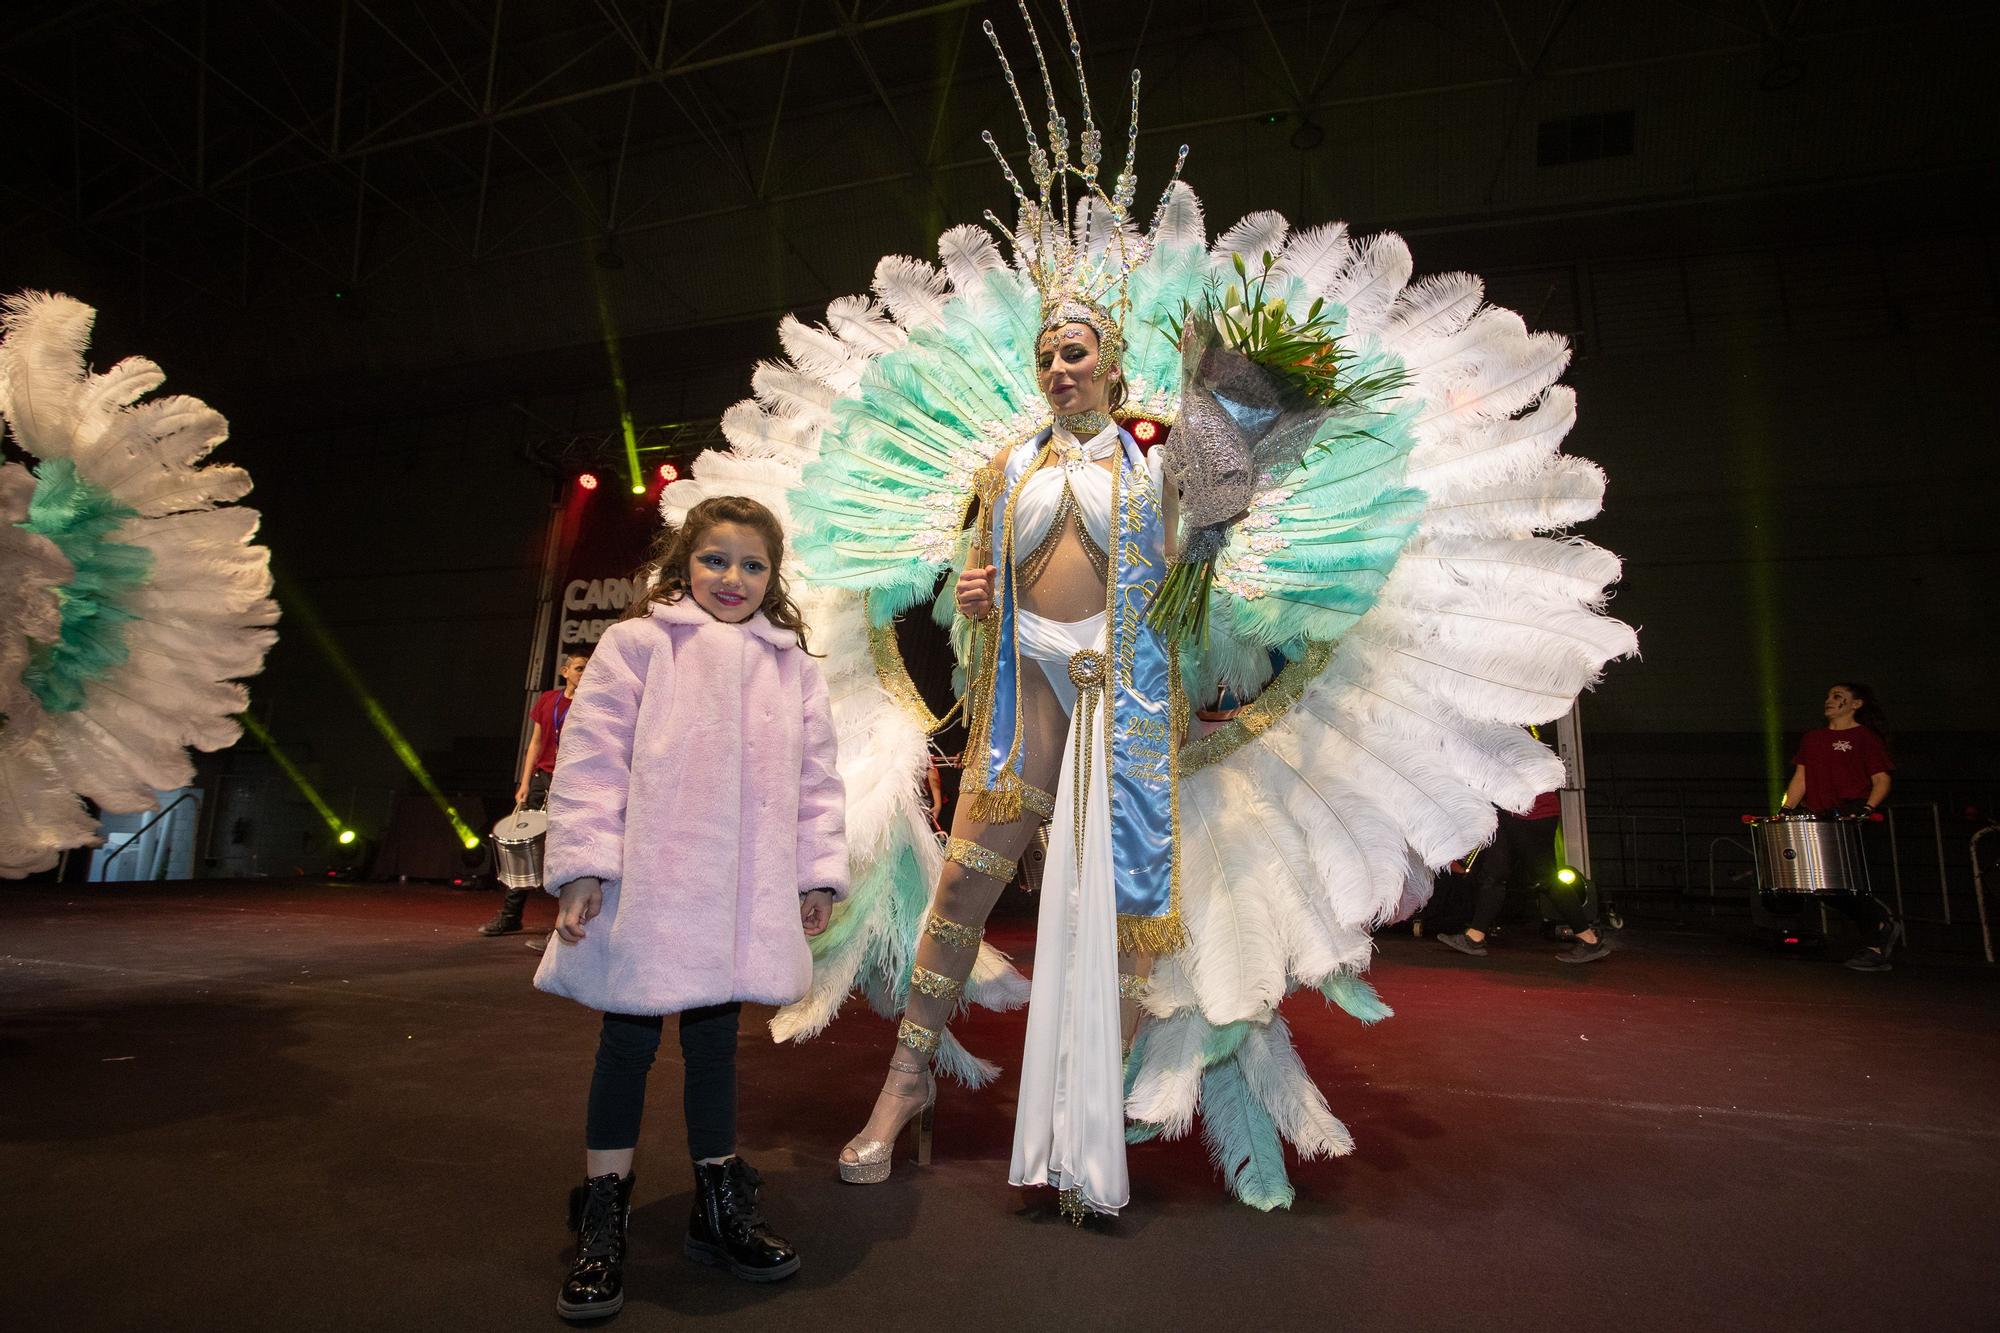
(1870, 961)
(1585, 953)
(1464, 943)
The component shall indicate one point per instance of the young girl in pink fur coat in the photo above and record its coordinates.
(695, 840)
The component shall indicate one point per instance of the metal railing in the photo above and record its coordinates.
(1979, 889)
(140, 832)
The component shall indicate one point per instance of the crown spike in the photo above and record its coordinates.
(1058, 127)
(1038, 160)
(986, 137)
(1092, 143)
(1128, 182)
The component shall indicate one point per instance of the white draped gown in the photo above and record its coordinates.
(1069, 1126)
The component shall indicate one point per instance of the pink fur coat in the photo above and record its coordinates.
(697, 778)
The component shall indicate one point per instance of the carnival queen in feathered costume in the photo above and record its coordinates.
(1333, 555)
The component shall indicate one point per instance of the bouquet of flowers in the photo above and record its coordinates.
(1260, 386)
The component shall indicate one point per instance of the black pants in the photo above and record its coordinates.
(1871, 917)
(625, 1048)
(1524, 853)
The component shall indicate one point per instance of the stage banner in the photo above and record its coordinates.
(606, 540)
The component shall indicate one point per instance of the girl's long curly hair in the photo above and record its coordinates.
(666, 566)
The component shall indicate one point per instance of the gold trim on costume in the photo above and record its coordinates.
(980, 860)
(951, 933)
(934, 984)
(1029, 568)
(894, 674)
(918, 1038)
(1038, 802)
(1260, 714)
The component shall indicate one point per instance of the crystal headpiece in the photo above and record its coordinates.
(1081, 257)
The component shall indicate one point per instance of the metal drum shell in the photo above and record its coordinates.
(518, 843)
(1821, 857)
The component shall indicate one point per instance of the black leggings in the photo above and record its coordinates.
(625, 1049)
(1524, 852)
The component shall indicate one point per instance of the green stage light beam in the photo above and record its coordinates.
(300, 611)
(1757, 518)
(291, 770)
(617, 360)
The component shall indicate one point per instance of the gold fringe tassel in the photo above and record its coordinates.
(998, 804)
(1154, 935)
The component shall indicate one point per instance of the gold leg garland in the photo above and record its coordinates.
(980, 860)
(934, 984)
(1038, 802)
(922, 1040)
(952, 933)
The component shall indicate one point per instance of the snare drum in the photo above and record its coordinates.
(517, 848)
(1812, 854)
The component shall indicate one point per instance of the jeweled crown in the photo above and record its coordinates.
(1080, 255)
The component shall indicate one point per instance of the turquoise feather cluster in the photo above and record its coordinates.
(80, 518)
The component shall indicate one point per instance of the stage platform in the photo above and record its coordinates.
(318, 1106)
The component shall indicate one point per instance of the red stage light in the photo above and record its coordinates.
(1145, 432)
(587, 480)
(668, 472)
(1791, 939)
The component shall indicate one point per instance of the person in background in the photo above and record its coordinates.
(1523, 853)
(1843, 769)
(538, 765)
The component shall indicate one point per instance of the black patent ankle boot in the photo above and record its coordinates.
(507, 920)
(728, 1229)
(598, 1211)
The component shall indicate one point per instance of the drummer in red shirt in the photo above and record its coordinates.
(1843, 768)
(538, 765)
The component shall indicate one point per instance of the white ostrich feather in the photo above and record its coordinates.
(1168, 1085)
(1429, 310)
(969, 254)
(864, 326)
(913, 291)
(821, 354)
(1251, 239)
(1316, 256)
(1371, 282)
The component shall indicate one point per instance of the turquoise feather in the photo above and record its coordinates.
(1356, 996)
(80, 518)
(1243, 1140)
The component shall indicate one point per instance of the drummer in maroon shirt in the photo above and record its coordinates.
(1843, 768)
(538, 765)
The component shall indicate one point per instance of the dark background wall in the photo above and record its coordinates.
(395, 243)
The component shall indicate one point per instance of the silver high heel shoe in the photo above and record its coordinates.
(874, 1157)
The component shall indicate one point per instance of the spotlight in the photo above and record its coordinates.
(347, 837)
(638, 488)
(587, 480)
(1566, 877)
(1144, 431)
(471, 842)
(668, 472)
